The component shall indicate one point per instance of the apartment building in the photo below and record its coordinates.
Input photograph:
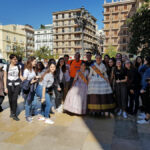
(67, 35)
(115, 26)
(29, 40)
(44, 37)
(11, 36)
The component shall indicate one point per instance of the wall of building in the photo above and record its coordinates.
(11, 36)
(44, 37)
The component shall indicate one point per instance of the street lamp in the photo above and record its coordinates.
(81, 20)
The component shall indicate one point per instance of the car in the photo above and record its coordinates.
(3, 61)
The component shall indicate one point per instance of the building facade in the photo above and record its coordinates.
(100, 40)
(44, 37)
(29, 40)
(11, 37)
(68, 37)
(115, 26)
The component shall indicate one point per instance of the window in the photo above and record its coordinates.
(63, 23)
(133, 5)
(14, 27)
(7, 38)
(77, 42)
(116, 8)
(115, 40)
(69, 43)
(124, 32)
(77, 36)
(115, 32)
(69, 15)
(116, 17)
(124, 40)
(8, 47)
(107, 33)
(69, 22)
(63, 15)
(107, 17)
(69, 29)
(56, 30)
(56, 16)
(78, 13)
(125, 7)
(107, 9)
(124, 48)
(57, 37)
(56, 23)
(63, 37)
(69, 36)
(63, 30)
(77, 29)
(14, 39)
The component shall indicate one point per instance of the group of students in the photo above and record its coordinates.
(95, 87)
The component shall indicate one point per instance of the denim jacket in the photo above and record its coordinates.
(28, 90)
(145, 76)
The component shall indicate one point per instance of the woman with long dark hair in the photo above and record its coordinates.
(60, 83)
(120, 76)
(42, 91)
(138, 62)
(133, 87)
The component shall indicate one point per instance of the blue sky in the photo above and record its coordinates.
(36, 12)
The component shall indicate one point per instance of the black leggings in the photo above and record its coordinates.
(1, 100)
(13, 97)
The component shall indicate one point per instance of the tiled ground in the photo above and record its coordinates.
(71, 133)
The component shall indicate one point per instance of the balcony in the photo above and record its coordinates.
(106, 12)
(107, 20)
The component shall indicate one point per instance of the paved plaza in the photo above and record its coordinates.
(72, 133)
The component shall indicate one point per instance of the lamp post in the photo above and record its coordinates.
(82, 20)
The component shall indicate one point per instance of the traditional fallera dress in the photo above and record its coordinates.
(76, 99)
(99, 90)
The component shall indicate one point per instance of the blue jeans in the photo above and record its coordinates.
(46, 106)
(31, 106)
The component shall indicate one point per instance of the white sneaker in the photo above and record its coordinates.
(124, 115)
(41, 118)
(119, 113)
(49, 121)
(60, 109)
(142, 116)
(142, 121)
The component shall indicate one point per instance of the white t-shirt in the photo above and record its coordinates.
(13, 72)
(29, 75)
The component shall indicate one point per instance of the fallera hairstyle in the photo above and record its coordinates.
(63, 67)
(47, 71)
(29, 63)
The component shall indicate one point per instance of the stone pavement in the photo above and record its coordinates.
(71, 133)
